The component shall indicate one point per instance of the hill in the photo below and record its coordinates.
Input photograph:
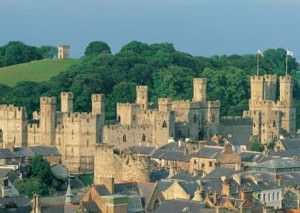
(36, 71)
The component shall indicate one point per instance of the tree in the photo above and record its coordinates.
(254, 145)
(40, 168)
(32, 186)
(48, 51)
(97, 47)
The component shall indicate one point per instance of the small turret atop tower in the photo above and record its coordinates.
(98, 106)
(142, 97)
(286, 89)
(67, 102)
(47, 120)
(257, 87)
(199, 89)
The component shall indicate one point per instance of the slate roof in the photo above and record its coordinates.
(179, 206)
(171, 151)
(292, 148)
(45, 150)
(278, 164)
(186, 177)
(36, 151)
(211, 152)
(145, 150)
(4, 172)
(237, 132)
(20, 201)
(6, 154)
(91, 207)
(221, 171)
(188, 186)
(59, 209)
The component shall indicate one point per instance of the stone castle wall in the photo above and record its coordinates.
(121, 168)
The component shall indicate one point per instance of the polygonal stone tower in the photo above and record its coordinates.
(67, 102)
(142, 97)
(199, 89)
(47, 120)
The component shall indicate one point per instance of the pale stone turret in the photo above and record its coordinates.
(142, 97)
(199, 89)
(47, 120)
(67, 102)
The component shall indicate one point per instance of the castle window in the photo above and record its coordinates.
(87, 142)
(213, 118)
(164, 125)
(133, 117)
(195, 119)
(119, 118)
(254, 125)
(143, 137)
(124, 138)
(274, 124)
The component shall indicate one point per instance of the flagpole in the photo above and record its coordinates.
(257, 64)
(286, 64)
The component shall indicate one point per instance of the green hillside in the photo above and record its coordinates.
(36, 71)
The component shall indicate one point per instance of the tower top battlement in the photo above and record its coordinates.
(48, 100)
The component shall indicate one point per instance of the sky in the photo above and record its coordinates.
(198, 27)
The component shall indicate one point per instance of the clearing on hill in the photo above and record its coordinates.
(37, 71)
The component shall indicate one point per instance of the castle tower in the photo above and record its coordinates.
(47, 120)
(286, 89)
(199, 89)
(142, 97)
(67, 102)
(270, 82)
(164, 104)
(63, 52)
(257, 87)
(286, 105)
(98, 106)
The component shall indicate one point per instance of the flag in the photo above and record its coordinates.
(260, 53)
(290, 53)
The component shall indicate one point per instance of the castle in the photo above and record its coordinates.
(75, 134)
(271, 117)
(137, 124)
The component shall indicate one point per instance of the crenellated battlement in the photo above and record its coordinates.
(135, 159)
(213, 104)
(164, 101)
(11, 108)
(48, 100)
(67, 95)
(126, 105)
(98, 97)
(257, 78)
(104, 148)
(122, 128)
(285, 78)
(31, 127)
(80, 116)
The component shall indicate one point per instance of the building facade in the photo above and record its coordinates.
(271, 116)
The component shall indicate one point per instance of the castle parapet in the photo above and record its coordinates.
(48, 100)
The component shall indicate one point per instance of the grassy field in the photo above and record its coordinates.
(36, 71)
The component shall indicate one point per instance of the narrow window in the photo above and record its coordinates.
(164, 125)
(274, 124)
(143, 137)
(124, 138)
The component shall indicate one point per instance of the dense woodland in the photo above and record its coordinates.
(166, 71)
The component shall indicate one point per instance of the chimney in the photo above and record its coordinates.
(225, 186)
(215, 198)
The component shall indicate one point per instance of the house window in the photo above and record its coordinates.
(277, 195)
(269, 197)
(210, 164)
(273, 196)
(195, 119)
(143, 137)
(124, 138)
(264, 196)
(164, 125)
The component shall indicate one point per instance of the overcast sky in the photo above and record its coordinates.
(199, 27)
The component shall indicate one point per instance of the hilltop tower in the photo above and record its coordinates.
(47, 120)
(63, 52)
(67, 102)
(98, 106)
(142, 97)
(199, 89)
